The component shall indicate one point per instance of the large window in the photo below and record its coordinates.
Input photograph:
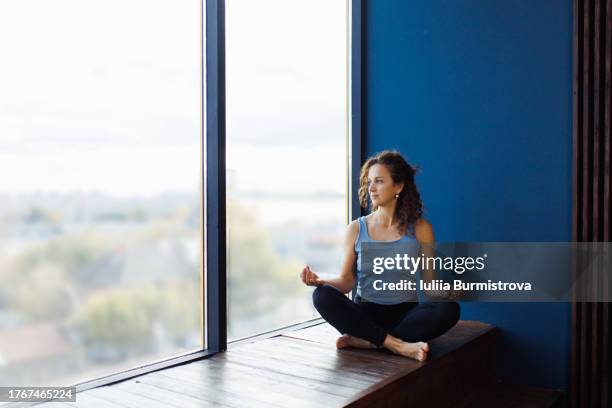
(100, 186)
(286, 98)
(101, 261)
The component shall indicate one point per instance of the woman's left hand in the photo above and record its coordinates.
(310, 278)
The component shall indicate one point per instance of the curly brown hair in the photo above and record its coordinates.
(409, 207)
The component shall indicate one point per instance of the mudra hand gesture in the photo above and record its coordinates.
(310, 278)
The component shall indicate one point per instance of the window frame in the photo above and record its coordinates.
(213, 126)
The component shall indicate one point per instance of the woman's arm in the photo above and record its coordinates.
(346, 281)
(425, 235)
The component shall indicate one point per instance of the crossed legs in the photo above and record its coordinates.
(403, 329)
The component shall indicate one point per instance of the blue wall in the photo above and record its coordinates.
(478, 93)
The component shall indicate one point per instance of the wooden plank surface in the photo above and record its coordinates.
(297, 369)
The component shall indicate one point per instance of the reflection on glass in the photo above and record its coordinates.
(286, 159)
(99, 187)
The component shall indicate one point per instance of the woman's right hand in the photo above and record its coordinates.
(309, 278)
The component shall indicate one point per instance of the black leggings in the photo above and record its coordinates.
(409, 321)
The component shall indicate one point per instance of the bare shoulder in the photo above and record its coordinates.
(353, 228)
(352, 231)
(423, 230)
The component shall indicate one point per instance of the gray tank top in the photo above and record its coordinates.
(365, 280)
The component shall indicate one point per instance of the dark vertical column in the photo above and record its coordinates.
(592, 207)
(214, 152)
(606, 208)
(595, 389)
(576, 185)
(357, 105)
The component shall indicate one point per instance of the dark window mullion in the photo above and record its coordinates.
(215, 284)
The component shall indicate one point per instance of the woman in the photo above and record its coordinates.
(402, 325)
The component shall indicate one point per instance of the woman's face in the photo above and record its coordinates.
(380, 185)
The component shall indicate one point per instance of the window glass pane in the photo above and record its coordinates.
(100, 251)
(286, 156)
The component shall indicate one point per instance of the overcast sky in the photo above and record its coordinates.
(104, 95)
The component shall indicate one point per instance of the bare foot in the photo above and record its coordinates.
(417, 351)
(347, 340)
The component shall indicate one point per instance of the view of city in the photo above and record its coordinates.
(100, 178)
(100, 155)
(286, 156)
(90, 284)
